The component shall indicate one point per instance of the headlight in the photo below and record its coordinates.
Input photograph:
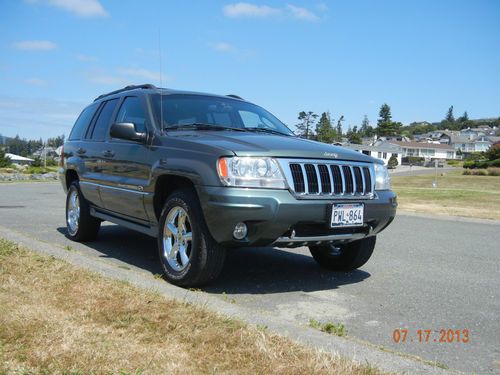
(251, 172)
(382, 179)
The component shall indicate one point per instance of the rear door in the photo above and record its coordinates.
(126, 165)
(95, 146)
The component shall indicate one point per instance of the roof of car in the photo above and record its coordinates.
(152, 89)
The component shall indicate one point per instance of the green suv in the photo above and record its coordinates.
(206, 173)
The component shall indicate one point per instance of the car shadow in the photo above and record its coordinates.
(262, 270)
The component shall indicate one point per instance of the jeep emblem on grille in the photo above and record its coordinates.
(331, 154)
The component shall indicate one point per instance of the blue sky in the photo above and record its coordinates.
(346, 57)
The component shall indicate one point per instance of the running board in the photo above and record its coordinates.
(150, 231)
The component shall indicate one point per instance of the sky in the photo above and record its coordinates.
(346, 57)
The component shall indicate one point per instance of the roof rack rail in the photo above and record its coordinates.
(235, 96)
(127, 88)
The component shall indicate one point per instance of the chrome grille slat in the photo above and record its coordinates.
(323, 179)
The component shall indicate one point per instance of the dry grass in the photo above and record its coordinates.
(55, 318)
(456, 194)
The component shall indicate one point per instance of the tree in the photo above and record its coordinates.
(385, 125)
(324, 129)
(393, 162)
(339, 128)
(307, 121)
(449, 115)
(4, 160)
(354, 136)
(464, 117)
(366, 129)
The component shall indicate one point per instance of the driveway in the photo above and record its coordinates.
(425, 274)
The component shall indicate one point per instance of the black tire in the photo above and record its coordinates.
(205, 256)
(345, 257)
(87, 226)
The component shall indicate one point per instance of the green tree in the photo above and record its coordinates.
(324, 129)
(339, 128)
(385, 125)
(449, 115)
(354, 136)
(4, 160)
(304, 127)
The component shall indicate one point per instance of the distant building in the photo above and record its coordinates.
(426, 150)
(382, 151)
(17, 159)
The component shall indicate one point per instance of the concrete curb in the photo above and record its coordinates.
(348, 348)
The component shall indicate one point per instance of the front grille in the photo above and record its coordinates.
(321, 178)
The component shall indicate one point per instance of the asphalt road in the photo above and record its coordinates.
(426, 274)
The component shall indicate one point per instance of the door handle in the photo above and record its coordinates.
(108, 154)
(81, 151)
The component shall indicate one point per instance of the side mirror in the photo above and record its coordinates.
(126, 130)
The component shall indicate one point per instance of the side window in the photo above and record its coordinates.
(132, 111)
(82, 123)
(102, 123)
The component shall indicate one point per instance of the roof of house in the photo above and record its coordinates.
(413, 144)
(383, 147)
(14, 157)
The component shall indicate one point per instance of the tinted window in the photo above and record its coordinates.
(102, 123)
(132, 111)
(82, 123)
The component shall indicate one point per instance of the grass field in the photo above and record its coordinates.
(58, 319)
(455, 194)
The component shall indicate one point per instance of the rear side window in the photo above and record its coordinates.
(103, 121)
(132, 111)
(82, 123)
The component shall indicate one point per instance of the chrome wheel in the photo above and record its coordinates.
(177, 239)
(73, 212)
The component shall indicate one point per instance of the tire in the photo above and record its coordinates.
(188, 254)
(346, 257)
(80, 225)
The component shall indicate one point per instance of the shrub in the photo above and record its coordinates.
(479, 172)
(495, 163)
(4, 160)
(393, 162)
(469, 164)
(494, 152)
(467, 172)
(494, 171)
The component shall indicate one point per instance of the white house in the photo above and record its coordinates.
(17, 159)
(426, 150)
(383, 151)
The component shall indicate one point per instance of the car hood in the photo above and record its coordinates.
(252, 144)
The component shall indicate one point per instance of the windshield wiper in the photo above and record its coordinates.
(202, 126)
(267, 130)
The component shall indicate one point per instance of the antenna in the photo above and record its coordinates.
(161, 80)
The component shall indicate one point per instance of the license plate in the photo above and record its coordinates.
(347, 215)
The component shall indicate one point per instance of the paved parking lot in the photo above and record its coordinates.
(426, 274)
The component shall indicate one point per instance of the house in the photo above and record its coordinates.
(426, 150)
(17, 159)
(382, 151)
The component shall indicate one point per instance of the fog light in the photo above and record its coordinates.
(240, 231)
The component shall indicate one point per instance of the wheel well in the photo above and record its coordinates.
(71, 176)
(166, 185)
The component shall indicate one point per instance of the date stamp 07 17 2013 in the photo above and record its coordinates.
(401, 336)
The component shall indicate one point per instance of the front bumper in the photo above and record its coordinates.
(276, 217)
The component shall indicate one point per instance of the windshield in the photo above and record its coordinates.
(181, 110)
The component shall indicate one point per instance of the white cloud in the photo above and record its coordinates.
(81, 8)
(250, 10)
(301, 13)
(35, 82)
(124, 76)
(238, 10)
(141, 73)
(222, 47)
(35, 45)
(86, 58)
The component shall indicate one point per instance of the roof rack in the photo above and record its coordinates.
(127, 88)
(235, 96)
